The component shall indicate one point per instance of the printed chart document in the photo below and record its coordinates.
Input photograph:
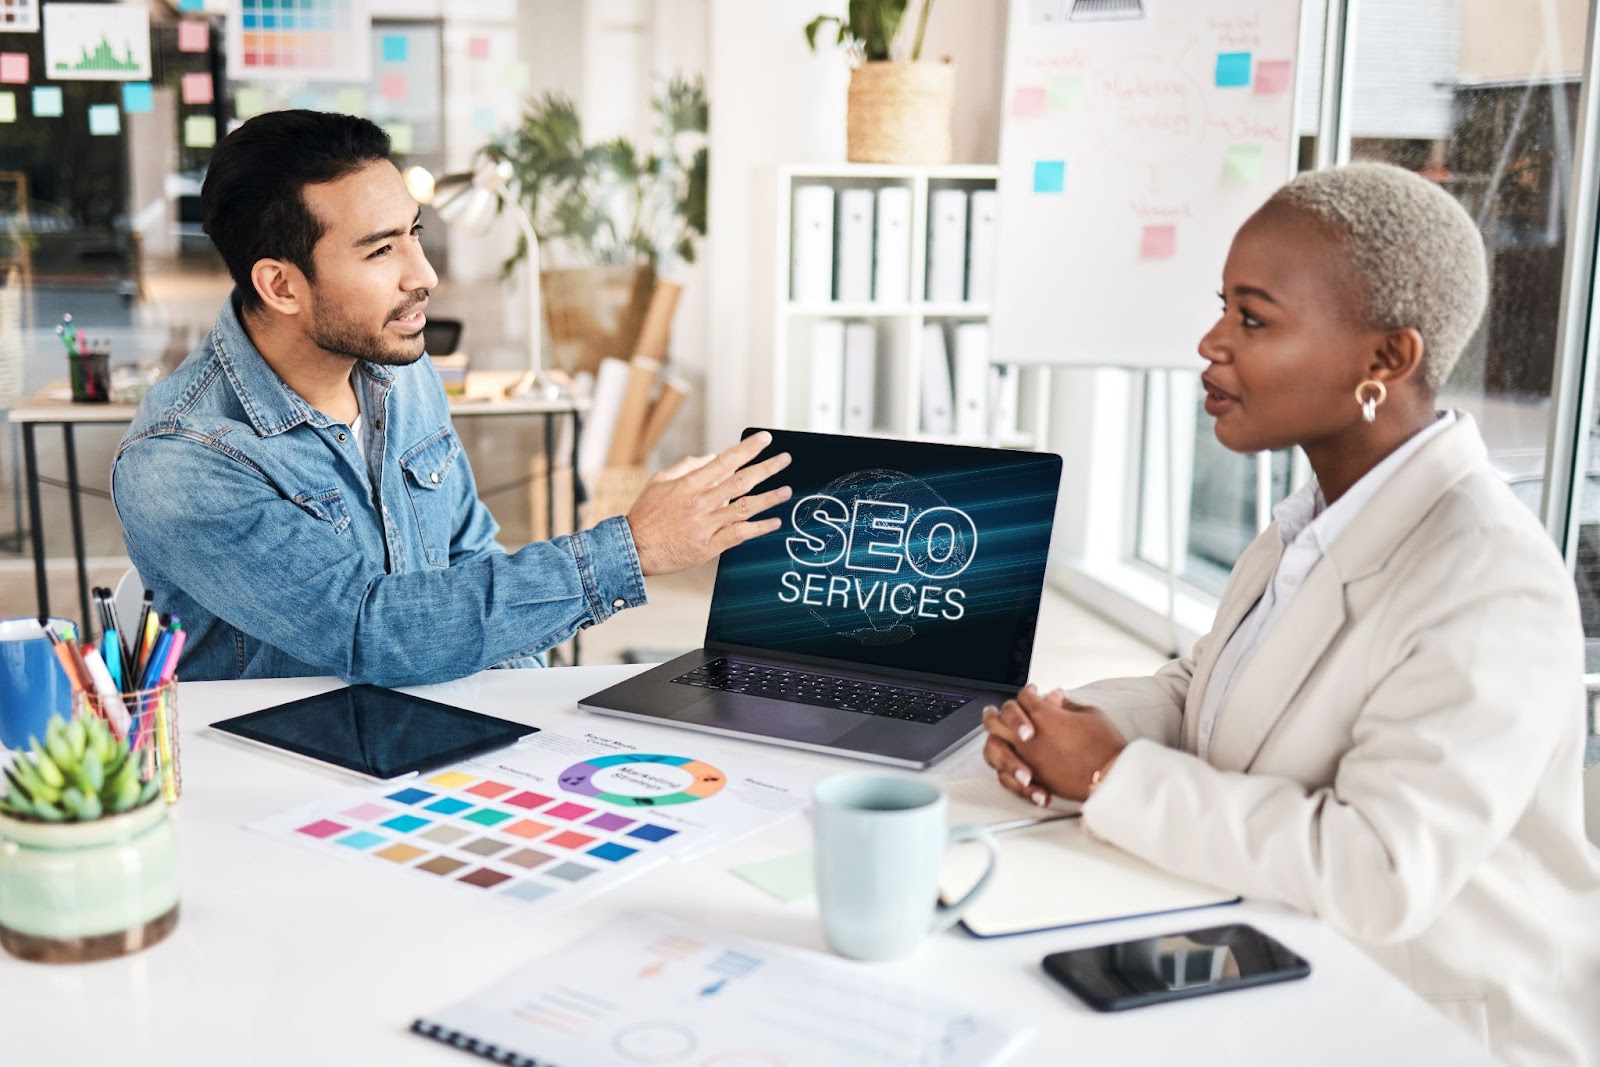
(550, 820)
(811, 269)
(649, 989)
(855, 245)
(892, 265)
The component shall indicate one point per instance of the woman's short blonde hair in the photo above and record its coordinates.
(1417, 254)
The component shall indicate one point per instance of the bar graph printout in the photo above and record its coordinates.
(97, 42)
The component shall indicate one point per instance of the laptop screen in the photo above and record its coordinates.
(897, 554)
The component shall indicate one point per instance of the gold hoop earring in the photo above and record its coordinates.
(1369, 404)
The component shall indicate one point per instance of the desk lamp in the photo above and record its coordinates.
(469, 201)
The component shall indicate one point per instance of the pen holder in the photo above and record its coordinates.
(150, 718)
(90, 373)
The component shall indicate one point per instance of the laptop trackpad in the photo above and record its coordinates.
(775, 718)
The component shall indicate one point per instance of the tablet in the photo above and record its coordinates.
(374, 731)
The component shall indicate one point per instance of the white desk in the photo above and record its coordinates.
(282, 956)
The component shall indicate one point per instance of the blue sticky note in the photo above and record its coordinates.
(137, 98)
(1233, 70)
(104, 120)
(47, 102)
(394, 48)
(304, 99)
(191, 5)
(1049, 176)
(483, 120)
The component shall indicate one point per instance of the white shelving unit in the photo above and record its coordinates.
(897, 325)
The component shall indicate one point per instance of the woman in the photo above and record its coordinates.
(1384, 727)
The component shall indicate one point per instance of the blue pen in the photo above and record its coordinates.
(158, 659)
(111, 652)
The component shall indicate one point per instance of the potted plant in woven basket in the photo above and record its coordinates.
(899, 110)
(88, 856)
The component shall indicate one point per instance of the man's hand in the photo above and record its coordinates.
(1041, 745)
(698, 508)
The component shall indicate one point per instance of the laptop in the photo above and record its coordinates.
(899, 597)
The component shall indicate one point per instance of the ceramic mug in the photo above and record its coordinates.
(33, 687)
(879, 843)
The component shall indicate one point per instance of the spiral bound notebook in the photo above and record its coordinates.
(649, 989)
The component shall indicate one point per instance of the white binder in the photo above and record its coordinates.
(938, 415)
(1006, 381)
(947, 246)
(827, 376)
(860, 372)
(985, 210)
(892, 264)
(855, 246)
(972, 380)
(811, 266)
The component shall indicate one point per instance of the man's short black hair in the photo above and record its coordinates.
(252, 201)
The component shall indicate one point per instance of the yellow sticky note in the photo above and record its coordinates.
(1242, 163)
(8, 107)
(1065, 91)
(249, 102)
(353, 101)
(399, 136)
(200, 131)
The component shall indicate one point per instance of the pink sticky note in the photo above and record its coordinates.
(14, 67)
(1028, 103)
(477, 48)
(392, 87)
(1158, 242)
(197, 88)
(1273, 75)
(194, 35)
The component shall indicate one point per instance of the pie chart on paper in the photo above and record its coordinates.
(643, 780)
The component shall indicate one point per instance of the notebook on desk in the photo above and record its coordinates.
(1053, 874)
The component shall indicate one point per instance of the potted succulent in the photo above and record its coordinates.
(899, 110)
(88, 855)
(610, 218)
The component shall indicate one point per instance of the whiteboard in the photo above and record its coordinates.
(1138, 135)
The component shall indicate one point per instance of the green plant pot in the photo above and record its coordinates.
(71, 892)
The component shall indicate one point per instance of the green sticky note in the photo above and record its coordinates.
(789, 879)
(200, 131)
(352, 101)
(399, 136)
(1242, 163)
(8, 107)
(1065, 91)
(514, 76)
(249, 102)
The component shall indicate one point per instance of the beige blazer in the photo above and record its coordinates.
(1400, 756)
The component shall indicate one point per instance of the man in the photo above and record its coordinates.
(295, 491)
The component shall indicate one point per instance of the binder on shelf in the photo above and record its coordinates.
(891, 281)
(947, 246)
(827, 376)
(811, 267)
(984, 209)
(938, 416)
(855, 246)
(972, 380)
(860, 377)
(1006, 380)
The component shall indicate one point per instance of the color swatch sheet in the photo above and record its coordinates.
(552, 819)
(649, 989)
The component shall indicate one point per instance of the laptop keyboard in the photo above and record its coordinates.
(825, 690)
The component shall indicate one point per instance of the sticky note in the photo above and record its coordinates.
(1028, 102)
(788, 879)
(197, 88)
(1066, 90)
(194, 36)
(353, 101)
(138, 98)
(191, 5)
(1273, 76)
(200, 131)
(1233, 70)
(514, 76)
(483, 120)
(394, 48)
(47, 102)
(14, 67)
(1242, 163)
(8, 106)
(248, 102)
(105, 120)
(477, 47)
(392, 87)
(399, 136)
(304, 100)
(1158, 242)
(1049, 176)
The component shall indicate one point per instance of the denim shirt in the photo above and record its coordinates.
(287, 552)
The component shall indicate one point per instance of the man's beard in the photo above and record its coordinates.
(345, 337)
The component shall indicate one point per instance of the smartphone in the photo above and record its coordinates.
(1152, 970)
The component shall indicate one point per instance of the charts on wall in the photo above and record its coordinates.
(299, 40)
(551, 820)
(97, 42)
(1138, 136)
(19, 16)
